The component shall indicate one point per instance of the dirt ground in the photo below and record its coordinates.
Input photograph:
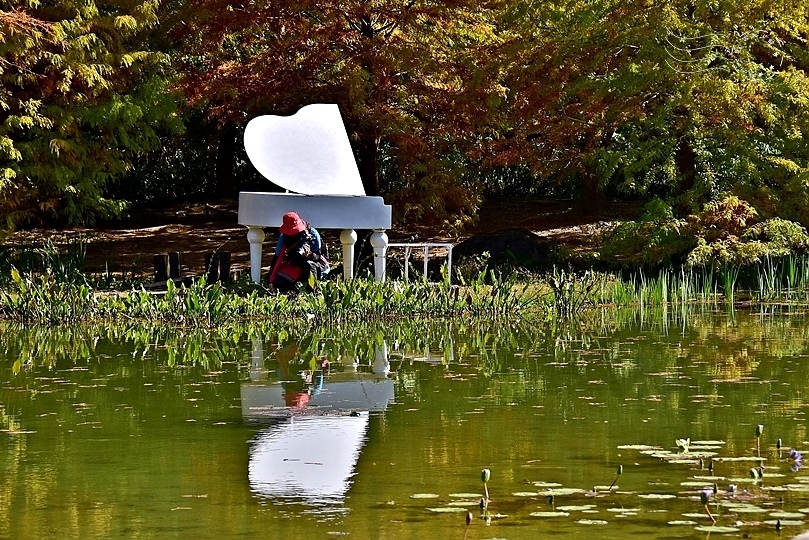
(129, 245)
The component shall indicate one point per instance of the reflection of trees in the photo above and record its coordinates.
(611, 356)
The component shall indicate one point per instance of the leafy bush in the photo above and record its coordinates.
(724, 233)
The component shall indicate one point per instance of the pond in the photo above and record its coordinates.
(136, 433)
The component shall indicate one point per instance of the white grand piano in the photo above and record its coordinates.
(309, 154)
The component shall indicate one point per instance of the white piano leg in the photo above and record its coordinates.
(348, 238)
(255, 235)
(379, 241)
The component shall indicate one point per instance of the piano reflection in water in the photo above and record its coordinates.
(309, 154)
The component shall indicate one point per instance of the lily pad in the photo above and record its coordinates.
(623, 510)
(707, 443)
(682, 522)
(785, 522)
(740, 458)
(575, 508)
(563, 491)
(547, 484)
(463, 503)
(716, 529)
(742, 480)
(803, 488)
(426, 496)
(606, 488)
(447, 509)
(787, 515)
(659, 496)
(591, 522)
(526, 494)
(638, 447)
(549, 514)
(746, 509)
(464, 495)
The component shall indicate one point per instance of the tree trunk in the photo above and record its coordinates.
(367, 157)
(593, 200)
(225, 187)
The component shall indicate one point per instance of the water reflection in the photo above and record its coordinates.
(316, 424)
(307, 459)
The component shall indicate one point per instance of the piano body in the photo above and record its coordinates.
(309, 154)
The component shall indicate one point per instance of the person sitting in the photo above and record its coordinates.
(299, 256)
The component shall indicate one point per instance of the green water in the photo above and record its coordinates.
(116, 433)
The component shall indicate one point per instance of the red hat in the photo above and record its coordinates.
(293, 224)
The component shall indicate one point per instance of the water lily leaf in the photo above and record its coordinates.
(575, 508)
(464, 495)
(425, 496)
(716, 529)
(787, 515)
(710, 478)
(740, 458)
(563, 491)
(591, 522)
(606, 488)
(682, 522)
(447, 509)
(785, 522)
(549, 514)
(463, 503)
(696, 515)
(659, 496)
(526, 494)
(691, 483)
(638, 447)
(547, 484)
(804, 488)
(683, 461)
(742, 479)
(623, 510)
(708, 443)
(745, 509)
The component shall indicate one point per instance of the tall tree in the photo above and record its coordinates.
(404, 73)
(683, 99)
(80, 97)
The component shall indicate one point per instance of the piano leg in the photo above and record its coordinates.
(379, 241)
(348, 237)
(255, 236)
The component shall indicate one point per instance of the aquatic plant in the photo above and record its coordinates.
(797, 460)
(704, 498)
(617, 475)
(485, 476)
(45, 299)
(759, 431)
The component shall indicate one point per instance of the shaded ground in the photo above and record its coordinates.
(129, 245)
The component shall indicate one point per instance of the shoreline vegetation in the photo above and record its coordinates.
(57, 293)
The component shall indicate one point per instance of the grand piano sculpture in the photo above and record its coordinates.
(309, 153)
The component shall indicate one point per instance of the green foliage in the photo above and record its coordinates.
(723, 234)
(44, 299)
(680, 101)
(80, 96)
(657, 239)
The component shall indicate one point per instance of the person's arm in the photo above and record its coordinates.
(320, 248)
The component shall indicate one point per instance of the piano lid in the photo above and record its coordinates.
(306, 153)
